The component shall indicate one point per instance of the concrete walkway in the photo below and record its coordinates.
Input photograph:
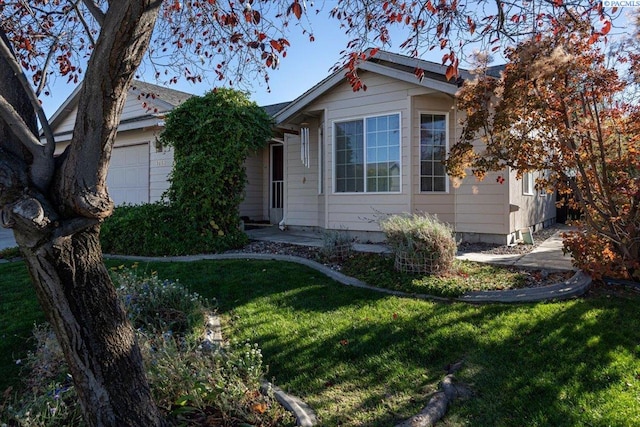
(6, 239)
(548, 255)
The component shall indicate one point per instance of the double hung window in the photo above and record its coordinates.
(367, 155)
(433, 152)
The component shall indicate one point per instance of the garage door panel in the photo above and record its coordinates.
(128, 176)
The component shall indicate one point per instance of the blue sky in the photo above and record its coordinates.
(305, 65)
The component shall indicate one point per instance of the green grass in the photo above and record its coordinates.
(362, 358)
(19, 310)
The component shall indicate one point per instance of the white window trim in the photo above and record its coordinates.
(528, 187)
(364, 122)
(447, 130)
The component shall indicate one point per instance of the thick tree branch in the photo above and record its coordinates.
(19, 128)
(9, 57)
(123, 41)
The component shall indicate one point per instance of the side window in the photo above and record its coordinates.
(527, 184)
(433, 151)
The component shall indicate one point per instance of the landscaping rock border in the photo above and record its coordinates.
(304, 414)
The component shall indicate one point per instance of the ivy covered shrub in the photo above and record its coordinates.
(421, 243)
(212, 135)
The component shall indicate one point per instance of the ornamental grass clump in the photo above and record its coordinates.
(421, 243)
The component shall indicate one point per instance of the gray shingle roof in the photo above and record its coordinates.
(170, 96)
(273, 109)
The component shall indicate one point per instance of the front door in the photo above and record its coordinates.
(276, 196)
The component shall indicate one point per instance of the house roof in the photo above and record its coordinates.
(159, 99)
(389, 64)
(273, 109)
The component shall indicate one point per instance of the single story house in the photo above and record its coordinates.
(342, 160)
(140, 165)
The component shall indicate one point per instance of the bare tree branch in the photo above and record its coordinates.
(84, 21)
(95, 12)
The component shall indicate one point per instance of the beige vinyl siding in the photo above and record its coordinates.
(301, 203)
(533, 210)
(364, 215)
(160, 167)
(66, 126)
(482, 206)
(384, 95)
(434, 203)
(252, 205)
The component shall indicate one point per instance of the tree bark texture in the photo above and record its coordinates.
(76, 293)
(55, 207)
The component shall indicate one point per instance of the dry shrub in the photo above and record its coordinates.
(421, 243)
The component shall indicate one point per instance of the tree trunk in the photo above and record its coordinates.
(78, 296)
(55, 207)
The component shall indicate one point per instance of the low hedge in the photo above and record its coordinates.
(158, 229)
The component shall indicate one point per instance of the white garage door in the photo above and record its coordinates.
(128, 177)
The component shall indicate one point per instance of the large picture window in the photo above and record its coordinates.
(433, 151)
(368, 155)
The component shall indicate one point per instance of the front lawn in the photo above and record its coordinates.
(363, 358)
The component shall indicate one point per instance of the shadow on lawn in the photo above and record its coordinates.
(347, 350)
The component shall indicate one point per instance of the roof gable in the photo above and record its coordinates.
(385, 63)
(152, 100)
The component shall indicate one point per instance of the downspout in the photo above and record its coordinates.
(455, 189)
(282, 224)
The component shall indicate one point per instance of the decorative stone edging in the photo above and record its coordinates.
(575, 286)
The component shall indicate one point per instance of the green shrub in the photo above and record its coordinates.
(212, 135)
(159, 305)
(158, 229)
(421, 243)
(10, 253)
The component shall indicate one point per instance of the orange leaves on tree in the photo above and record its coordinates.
(279, 45)
(471, 24)
(296, 9)
(430, 7)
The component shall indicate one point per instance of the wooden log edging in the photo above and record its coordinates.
(438, 404)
